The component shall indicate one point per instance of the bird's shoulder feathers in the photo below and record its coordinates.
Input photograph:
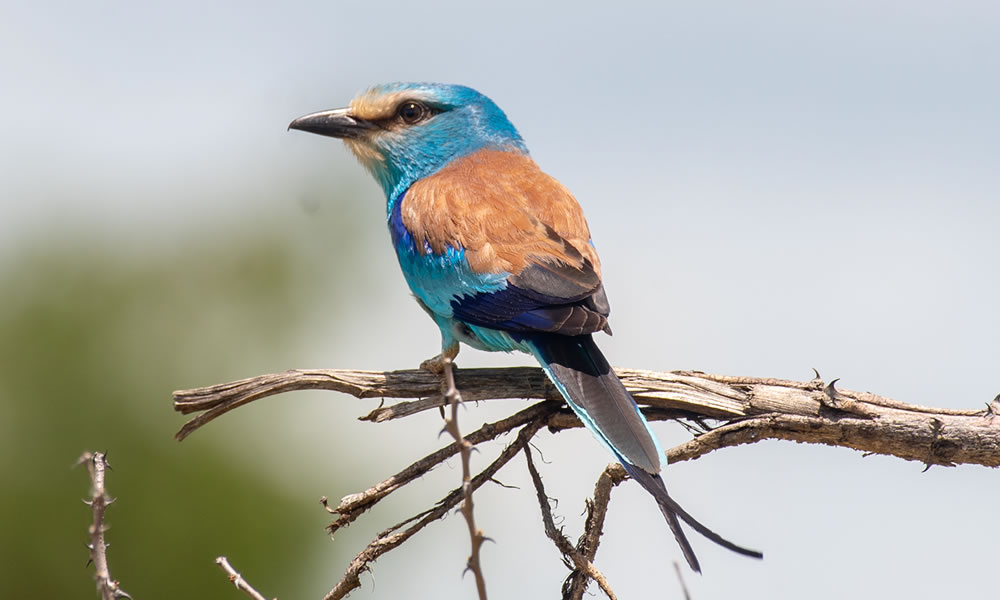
(503, 211)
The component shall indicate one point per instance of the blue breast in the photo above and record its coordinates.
(437, 280)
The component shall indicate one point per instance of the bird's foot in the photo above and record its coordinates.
(434, 365)
(443, 366)
(437, 364)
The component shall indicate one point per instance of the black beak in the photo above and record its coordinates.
(333, 123)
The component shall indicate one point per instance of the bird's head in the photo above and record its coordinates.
(403, 132)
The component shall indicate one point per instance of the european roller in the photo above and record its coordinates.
(499, 254)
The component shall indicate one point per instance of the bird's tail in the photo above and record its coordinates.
(585, 379)
(672, 511)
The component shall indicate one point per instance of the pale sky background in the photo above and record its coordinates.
(772, 186)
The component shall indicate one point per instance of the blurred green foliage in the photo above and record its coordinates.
(94, 335)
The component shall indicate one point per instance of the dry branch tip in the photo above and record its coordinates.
(237, 580)
(97, 467)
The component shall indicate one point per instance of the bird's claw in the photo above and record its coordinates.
(434, 365)
(438, 364)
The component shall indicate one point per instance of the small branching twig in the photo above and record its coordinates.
(570, 554)
(351, 507)
(597, 509)
(97, 466)
(236, 579)
(392, 538)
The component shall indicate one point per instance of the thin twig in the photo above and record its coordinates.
(354, 505)
(97, 466)
(390, 538)
(680, 578)
(570, 554)
(476, 537)
(597, 509)
(236, 579)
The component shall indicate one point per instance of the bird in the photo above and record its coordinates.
(499, 254)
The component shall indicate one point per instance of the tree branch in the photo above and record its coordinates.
(354, 505)
(390, 539)
(751, 408)
(236, 579)
(97, 466)
(597, 509)
(571, 555)
(476, 537)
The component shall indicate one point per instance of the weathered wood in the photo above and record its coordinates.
(750, 408)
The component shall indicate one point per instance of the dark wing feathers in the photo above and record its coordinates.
(541, 298)
(558, 280)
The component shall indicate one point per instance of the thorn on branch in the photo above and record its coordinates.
(97, 467)
(993, 408)
(830, 393)
(846, 404)
(817, 381)
(939, 448)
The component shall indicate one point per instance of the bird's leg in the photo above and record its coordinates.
(450, 389)
(441, 365)
(442, 362)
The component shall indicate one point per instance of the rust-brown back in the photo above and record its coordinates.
(503, 210)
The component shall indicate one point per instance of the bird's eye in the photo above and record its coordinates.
(412, 112)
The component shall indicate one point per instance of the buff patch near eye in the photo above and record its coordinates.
(376, 106)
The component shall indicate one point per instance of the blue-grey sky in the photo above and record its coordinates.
(772, 186)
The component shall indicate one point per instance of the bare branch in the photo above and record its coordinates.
(791, 410)
(390, 539)
(597, 509)
(353, 506)
(486, 384)
(237, 579)
(570, 554)
(476, 537)
(97, 465)
(750, 409)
